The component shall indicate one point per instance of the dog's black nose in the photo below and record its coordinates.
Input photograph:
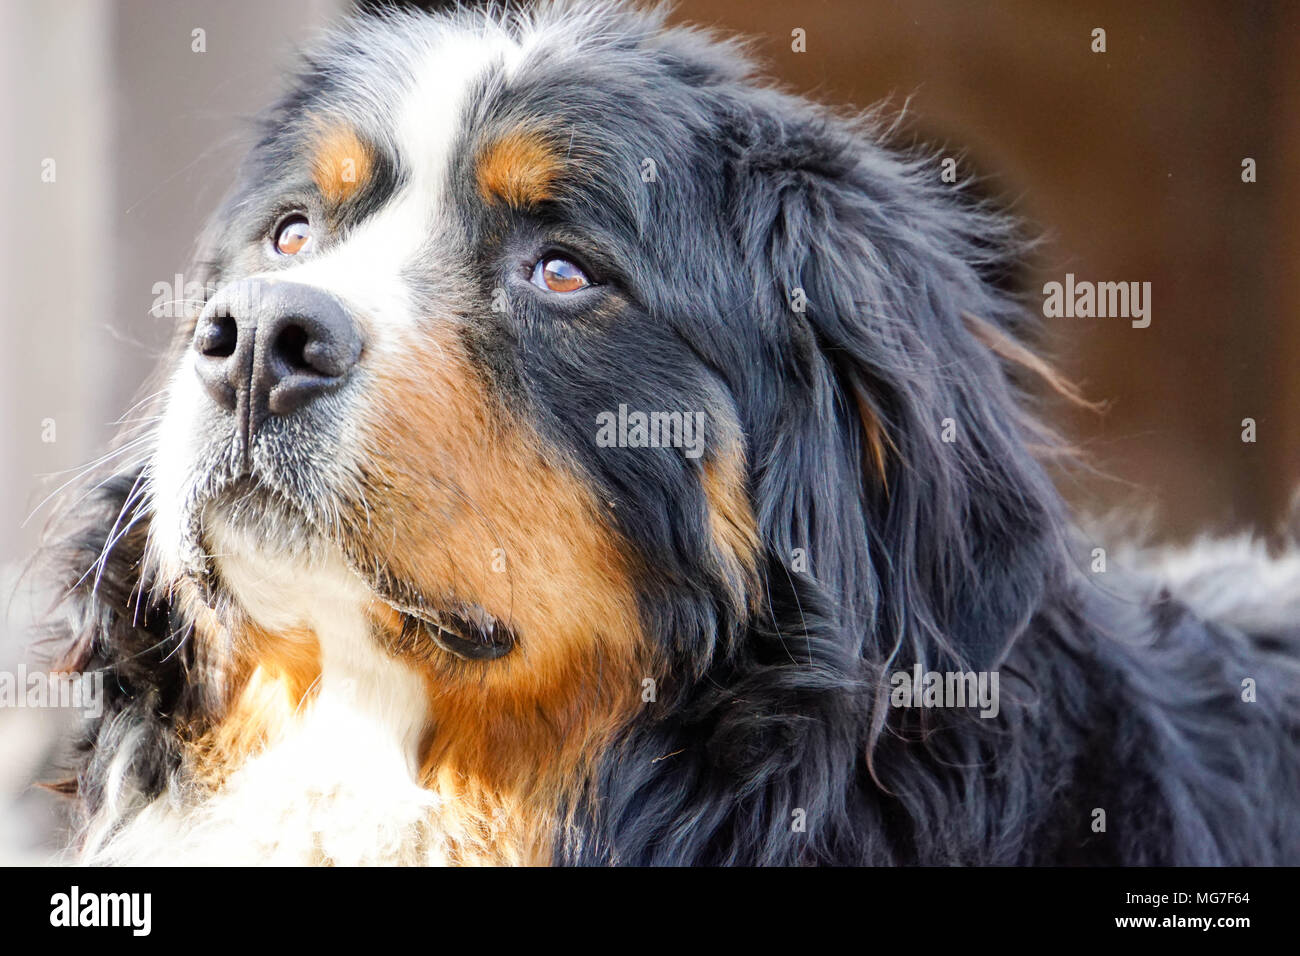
(268, 348)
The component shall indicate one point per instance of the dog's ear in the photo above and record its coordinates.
(899, 459)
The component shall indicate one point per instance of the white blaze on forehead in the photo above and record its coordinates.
(425, 124)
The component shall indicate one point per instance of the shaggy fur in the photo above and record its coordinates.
(830, 304)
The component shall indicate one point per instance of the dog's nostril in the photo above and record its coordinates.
(217, 338)
(290, 347)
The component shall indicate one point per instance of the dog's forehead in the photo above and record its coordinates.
(410, 98)
(518, 113)
(432, 100)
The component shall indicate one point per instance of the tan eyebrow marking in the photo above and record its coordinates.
(341, 163)
(519, 168)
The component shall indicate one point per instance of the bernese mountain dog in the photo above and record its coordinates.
(586, 453)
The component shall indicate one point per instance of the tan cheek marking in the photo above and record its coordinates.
(731, 519)
(519, 168)
(470, 508)
(340, 164)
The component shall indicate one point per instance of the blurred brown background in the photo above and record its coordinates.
(1128, 161)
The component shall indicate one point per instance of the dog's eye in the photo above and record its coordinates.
(555, 274)
(292, 235)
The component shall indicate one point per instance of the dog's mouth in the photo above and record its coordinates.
(468, 632)
(281, 526)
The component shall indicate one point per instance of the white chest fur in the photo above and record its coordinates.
(339, 785)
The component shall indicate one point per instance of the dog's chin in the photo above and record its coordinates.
(262, 518)
(248, 521)
(232, 522)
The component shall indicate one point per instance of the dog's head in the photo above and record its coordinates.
(581, 378)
